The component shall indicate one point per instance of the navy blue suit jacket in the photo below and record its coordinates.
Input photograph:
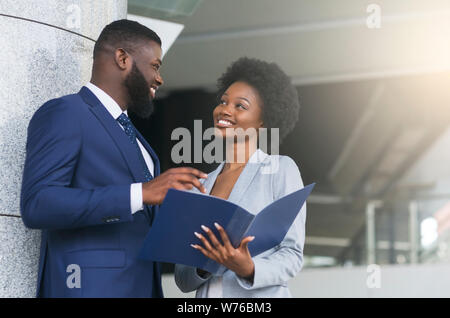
(76, 187)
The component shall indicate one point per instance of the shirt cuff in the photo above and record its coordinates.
(136, 197)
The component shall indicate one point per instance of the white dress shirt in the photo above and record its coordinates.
(114, 109)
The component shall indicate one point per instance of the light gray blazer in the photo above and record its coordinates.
(256, 187)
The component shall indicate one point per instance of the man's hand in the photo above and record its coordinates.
(154, 192)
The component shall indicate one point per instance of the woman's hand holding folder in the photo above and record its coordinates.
(237, 259)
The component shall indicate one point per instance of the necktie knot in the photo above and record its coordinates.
(128, 127)
(124, 120)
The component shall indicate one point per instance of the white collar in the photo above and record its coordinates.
(107, 101)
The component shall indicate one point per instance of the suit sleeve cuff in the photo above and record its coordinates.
(258, 280)
(136, 197)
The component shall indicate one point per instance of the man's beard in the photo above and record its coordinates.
(138, 91)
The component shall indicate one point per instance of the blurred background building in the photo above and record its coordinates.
(373, 130)
(374, 84)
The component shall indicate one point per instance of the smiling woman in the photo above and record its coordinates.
(266, 86)
(240, 106)
(253, 95)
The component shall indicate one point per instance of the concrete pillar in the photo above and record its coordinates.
(46, 52)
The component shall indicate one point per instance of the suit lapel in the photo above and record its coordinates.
(247, 176)
(245, 179)
(211, 180)
(127, 149)
(151, 211)
(151, 152)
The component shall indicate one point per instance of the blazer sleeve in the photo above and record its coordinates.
(287, 258)
(187, 279)
(48, 201)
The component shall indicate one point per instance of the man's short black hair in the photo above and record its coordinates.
(124, 34)
(280, 100)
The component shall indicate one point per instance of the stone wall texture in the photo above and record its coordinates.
(47, 52)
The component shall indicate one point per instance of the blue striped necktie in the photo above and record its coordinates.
(131, 133)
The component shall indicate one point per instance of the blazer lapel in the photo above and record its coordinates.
(244, 180)
(127, 149)
(151, 152)
(151, 211)
(209, 182)
(247, 175)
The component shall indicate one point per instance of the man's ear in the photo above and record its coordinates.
(122, 59)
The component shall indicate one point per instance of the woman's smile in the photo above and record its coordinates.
(224, 123)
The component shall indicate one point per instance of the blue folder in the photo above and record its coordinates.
(182, 213)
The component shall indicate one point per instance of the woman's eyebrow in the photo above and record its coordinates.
(244, 99)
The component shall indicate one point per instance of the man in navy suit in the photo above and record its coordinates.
(91, 182)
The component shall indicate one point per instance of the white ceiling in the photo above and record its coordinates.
(313, 41)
